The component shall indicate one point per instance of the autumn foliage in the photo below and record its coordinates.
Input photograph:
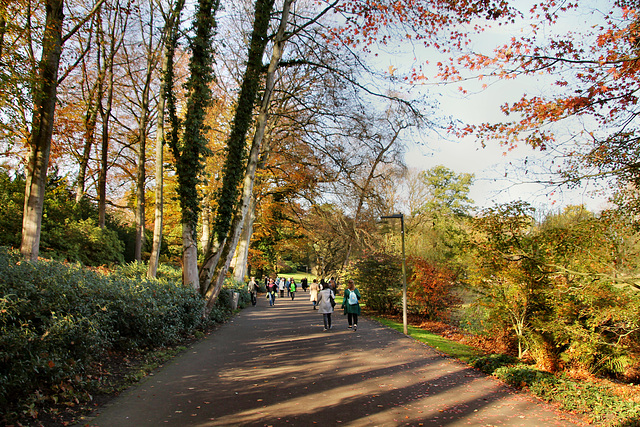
(430, 289)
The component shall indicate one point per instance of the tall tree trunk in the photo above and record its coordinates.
(240, 269)
(205, 238)
(227, 247)
(105, 113)
(90, 122)
(233, 169)
(42, 130)
(154, 259)
(166, 100)
(189, 155)
(142, 160)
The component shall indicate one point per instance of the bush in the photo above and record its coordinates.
(522, 375)
(56, 319)
(83, 241)
(430, 289)
(379, 278)
(601, 402)
(489, 363)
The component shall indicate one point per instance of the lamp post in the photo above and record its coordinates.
(404, 271)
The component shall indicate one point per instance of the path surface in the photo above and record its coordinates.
(275, 366)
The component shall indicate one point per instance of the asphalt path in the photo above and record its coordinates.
(273, 366)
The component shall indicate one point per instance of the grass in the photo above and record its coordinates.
(449, 347)
(298, 276)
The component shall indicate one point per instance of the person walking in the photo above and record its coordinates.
(313, 292)
(281, 286)
(271, 292)
(252, 287)
(351, 304)
(326, 301)
(292, 288)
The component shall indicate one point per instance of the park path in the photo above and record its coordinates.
(273, 366)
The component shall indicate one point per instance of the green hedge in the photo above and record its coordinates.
(55, 319)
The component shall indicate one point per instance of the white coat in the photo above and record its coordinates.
(324, 303)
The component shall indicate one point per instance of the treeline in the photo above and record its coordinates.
(559, 290)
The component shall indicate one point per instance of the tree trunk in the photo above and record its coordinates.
(105, 114)
(226, 250)
(242, 251)
(42, 130)
(205, 238)
(234, 165)
(189, 154)
(189, 256)
(154, 259)
(165, 101)
(142, 160)
(90, 122)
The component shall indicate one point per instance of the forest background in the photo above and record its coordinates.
(269, 140)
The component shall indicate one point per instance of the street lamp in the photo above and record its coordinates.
(404, 271)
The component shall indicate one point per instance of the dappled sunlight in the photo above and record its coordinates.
(275, 366)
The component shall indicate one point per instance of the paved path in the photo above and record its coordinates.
(275, 366)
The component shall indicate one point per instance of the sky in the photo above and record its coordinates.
(499, 177)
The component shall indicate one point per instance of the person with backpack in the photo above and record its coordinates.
(351, 304)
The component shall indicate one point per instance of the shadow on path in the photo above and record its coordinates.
(275, 366)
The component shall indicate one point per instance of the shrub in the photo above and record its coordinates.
(83, 241)
(522, 375)
(430, 289)
(379, 278)
(55, 319)
(489, 363)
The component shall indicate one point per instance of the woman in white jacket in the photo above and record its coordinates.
(326, 302)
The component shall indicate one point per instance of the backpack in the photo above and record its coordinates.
(353, 298)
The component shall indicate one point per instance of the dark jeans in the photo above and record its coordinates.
(254, 298)
(352, 318)
(327, 320)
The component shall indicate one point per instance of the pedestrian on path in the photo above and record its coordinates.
(313, 293)
(281, 286)
(253, 290)
(292, 288)
(351, 304)
(326, 301)
(271, 292)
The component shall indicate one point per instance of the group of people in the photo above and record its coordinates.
(322, 294)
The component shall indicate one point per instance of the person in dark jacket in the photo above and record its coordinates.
(351, 304)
